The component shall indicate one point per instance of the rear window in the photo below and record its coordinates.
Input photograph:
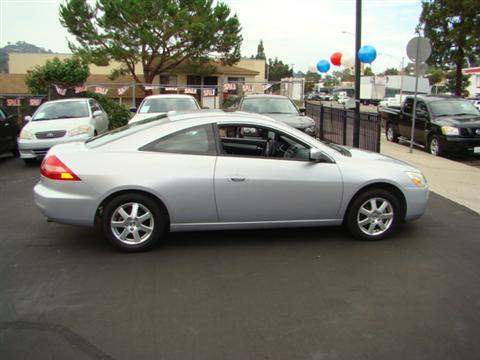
(125, 130)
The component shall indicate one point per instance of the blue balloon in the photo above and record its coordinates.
(367, 54)
(323, 66)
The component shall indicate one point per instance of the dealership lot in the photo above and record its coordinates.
(273, 294)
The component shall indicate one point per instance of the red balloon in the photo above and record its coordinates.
(336, 58)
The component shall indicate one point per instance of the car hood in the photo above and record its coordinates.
(384, 160)
(459, 121)
(57, 124)
(138, 117)
(296, 121)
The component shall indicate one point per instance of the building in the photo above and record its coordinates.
(248, 76)
(474, 87)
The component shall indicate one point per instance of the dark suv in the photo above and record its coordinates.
(8, 133)
(442, 124)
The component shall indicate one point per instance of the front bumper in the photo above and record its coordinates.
(458, 143)
(32, 149)
(416, 200)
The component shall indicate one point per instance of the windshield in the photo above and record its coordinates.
(269, 106)
(163, 105)
(61, 110)
(453, 107)
(123, 131)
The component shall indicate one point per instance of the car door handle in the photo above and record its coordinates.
(236, 178)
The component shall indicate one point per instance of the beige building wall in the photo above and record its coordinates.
(257, 65)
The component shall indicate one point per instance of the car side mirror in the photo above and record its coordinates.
(28, 118)
(133, 109)
(317, 155)
(422, 114)
(302, 110)
(97, 113)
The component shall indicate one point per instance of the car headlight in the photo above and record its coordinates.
(26, 135)
(84, 129)
(417, 179)
(450, 130)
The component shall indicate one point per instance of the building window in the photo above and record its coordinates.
(236, 79)
(168, 79)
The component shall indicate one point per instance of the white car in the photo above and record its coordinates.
(162, 104)
(58, 122)
(476, 103)
(343, 99)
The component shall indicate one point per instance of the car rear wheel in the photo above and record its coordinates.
(391, 133)
(373, 215)
(434, 146)
(133, 222)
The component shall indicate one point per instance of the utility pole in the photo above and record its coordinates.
(358, 44)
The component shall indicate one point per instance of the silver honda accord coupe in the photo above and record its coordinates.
(211, 170)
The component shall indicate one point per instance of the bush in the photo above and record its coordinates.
(118, 115)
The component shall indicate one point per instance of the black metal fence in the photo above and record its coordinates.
(336, 125)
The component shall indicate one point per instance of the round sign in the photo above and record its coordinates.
(419, 49)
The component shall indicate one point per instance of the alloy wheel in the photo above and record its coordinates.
(434, 146)
(390, 133)
(132, 223)
(375, 216)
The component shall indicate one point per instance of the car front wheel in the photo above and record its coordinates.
(133, 222)
(391, 134)
(373, 215)
(434, 146)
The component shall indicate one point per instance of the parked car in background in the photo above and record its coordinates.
(60, 121)
(280, 108)
(216, 171)
(160, 104)
(342, 99)
(442, 124)
(8, 133)
(391, 102)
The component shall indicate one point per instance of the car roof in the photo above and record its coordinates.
(213, 113)
(168, 96)
(67, 100)
(265, 96)
(437, 97)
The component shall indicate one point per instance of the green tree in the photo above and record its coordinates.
(391, 71)
(368, 71)
(157, 34)
(435, 75)
(118, 115)
(331, 81)
(260, 51)
(66, 73)
(453, 26)
(278, 70)
(451, 83)
(311, 78)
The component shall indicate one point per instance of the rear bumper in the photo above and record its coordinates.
(65, 207)
(32, 149)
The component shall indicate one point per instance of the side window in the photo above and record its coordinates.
(3, 116)
(408, 106)
(94, 106)
(422, 107)
(255, 141)
(196, 141)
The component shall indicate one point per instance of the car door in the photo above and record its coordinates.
(185, 162)
(266, 188)
(103, 118)
(99, 122)
(405, 118)
(422, 118)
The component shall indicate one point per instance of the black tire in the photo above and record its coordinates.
(390, 133)
(30, 162)
(434, 146)
(159, 224)
(352, 216)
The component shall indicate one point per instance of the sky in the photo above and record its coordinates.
(298, 32)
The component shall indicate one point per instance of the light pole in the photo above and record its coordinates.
(358, 44)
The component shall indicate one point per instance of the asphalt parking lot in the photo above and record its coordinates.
(283, 294)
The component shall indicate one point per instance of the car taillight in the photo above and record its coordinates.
(53, 168)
